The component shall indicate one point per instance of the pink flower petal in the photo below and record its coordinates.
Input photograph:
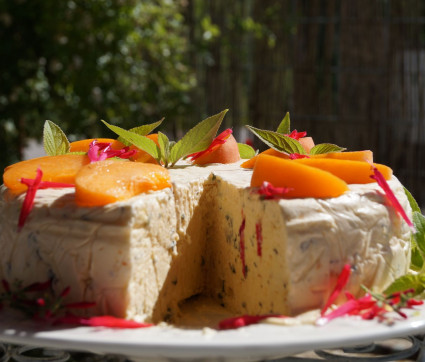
(269, 192)
(340, 284)
(379, 178)
(297, 135)
(113, 322)
(295, 156)
(242, 245)
(99, 151)
(28, 203)
(219, 140)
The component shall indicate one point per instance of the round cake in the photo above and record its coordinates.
(210, 234)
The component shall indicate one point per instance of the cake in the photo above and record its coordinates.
(208, 235)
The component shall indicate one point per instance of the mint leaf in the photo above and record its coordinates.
(414, 281)
(246, 151)
(278, 141)
(325, 148)
(419, 237)
(142, 130)
(416, 259)
(141, 142)
(54, 139)
(418, 242)
(285, 125)
(198, 138)
(413, 204)
(164, 146)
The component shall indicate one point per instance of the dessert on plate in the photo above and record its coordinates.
(268, 235)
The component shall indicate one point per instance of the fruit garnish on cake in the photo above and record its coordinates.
(149, 224)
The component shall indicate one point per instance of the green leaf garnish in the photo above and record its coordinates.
(198, 138)
(285, 125)
(325, 148)
(246, 151)
(141, 142)
(55, 141)
(278, 141)
(164, 146)
(408, 281)
(419, 237)
(413, 204)
(142, 130)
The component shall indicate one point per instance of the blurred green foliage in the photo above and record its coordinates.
(78, 61)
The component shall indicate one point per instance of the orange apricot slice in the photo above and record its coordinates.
(306, 142)
(302, 180)
(108, 181)
(62, 168)
(270, 151)
(227, 152)
(143, 156)
(352, 172)
(365, 155)
(83, 145)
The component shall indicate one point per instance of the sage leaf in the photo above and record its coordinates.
(198, 138)
(164, 146)
(419, 237)
(55, 141)
(246, 151)
(142, 130)
(141, 142)
(278, 141)
(416, 258)
(408, 281)
(325, 148)
(285, 125)
(413, 204)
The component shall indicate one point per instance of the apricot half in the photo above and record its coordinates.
(352, 172)
(108, 181)
(62, 168)
(302, 180)
(83, 145)
(228, 152)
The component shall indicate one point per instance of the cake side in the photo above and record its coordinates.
(118, 260)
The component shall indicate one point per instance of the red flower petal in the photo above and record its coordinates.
(297, 135)
(28, 203)
(113, 322)
(340, 284)
(242, 245)
(259, 236)
(219, 140)
(39, 287)
(99, 151)
(295, 156)
(391, 197)
(269, 192)
(245, 320)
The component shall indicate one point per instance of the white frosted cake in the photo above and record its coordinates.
(208, 235)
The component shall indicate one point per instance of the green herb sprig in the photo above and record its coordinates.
(168, 153)
(416, 278)
(280, 141)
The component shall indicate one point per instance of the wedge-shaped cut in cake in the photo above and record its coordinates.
(209, 235)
